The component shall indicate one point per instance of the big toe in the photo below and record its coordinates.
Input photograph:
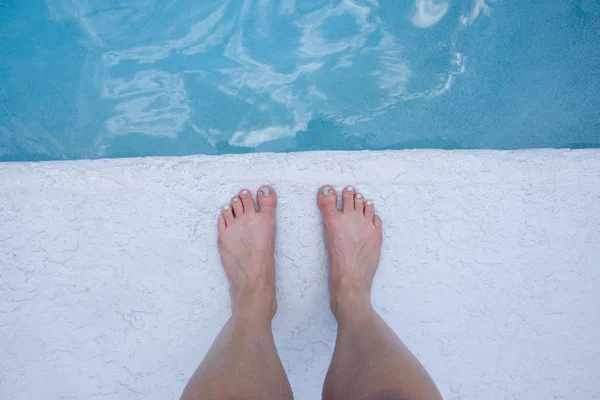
(267, 199)
(327, 199)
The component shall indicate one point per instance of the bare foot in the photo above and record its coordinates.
(246, 244)
(353, 239)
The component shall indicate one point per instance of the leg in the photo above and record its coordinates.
(369, 360)
(243, 363)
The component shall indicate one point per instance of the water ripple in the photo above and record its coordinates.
(275, 65)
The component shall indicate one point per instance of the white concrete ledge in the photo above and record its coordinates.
(111, 286)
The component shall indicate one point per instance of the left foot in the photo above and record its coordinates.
(246, 244)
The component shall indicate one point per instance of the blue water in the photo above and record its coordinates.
(106, 78)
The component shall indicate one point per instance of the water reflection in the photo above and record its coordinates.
(160, 68)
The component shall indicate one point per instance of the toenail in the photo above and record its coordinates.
(326, 191)
(359, 196)
(369, 203)
(226, 207)
(235, 199)
(265, 191)
(220, 216)
(244, 192)
(350, 189)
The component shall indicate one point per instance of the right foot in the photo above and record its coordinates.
(353, 239)
(246, 244)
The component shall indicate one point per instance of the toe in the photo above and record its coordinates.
(369, 210)
(221, 224)
(227, 214)
(327, 199)
(247, 201)
(267, 199)
(348, 199)
(377, 221)
(359, 202)
(236, 205)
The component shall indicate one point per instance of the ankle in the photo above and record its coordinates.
(354, 315)
(350, 299)
(254, 305)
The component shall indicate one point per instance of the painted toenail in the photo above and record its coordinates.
(220, 216)
(265, 191)
(244, 192)
(369, 203)
(235, 199)
(350, 189)
(326, 191)
(359, 196)
(226, 207)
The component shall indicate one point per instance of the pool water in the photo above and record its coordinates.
(106, 78)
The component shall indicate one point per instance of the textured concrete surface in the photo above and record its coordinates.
(111, 286)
